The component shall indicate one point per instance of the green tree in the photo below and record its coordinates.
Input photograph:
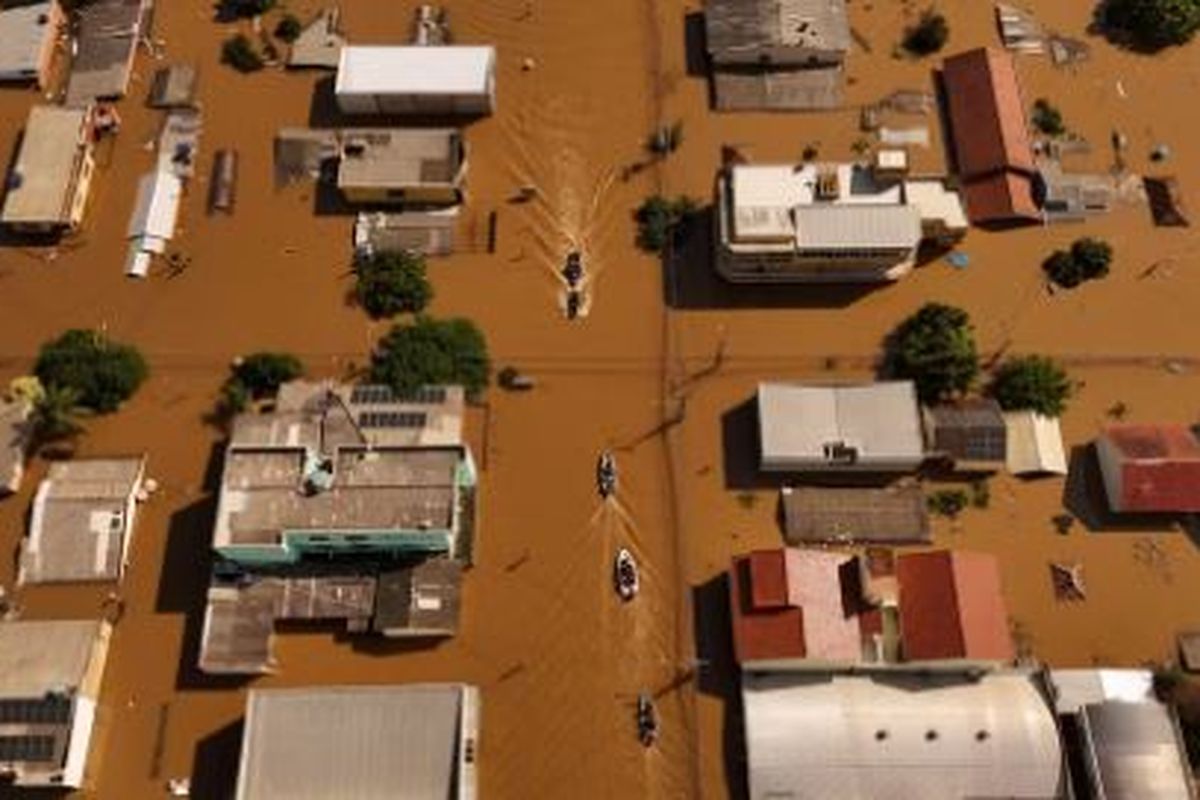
(1047, 118)
(1093, 257)
(428, 351)
(659, 221)
(935, 348)
(289, 28)
(929, 35)
(391, 283)
(239, 53)
(1152, 24)
(55, 414)
(103, 373)
(261, 374)
(1032, 383)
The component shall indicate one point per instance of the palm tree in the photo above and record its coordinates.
(55, 414)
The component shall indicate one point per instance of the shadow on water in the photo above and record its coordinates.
(1085, 498)
(719, 674)
(695, 42)
(690, 280)
(214, 775)
(323, 112)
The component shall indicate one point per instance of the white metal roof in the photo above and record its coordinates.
(936, 201)
(1035, 444)
(157, 206)
(37, 657)
(899, 736)
(368, 743)
(23, 34)
(415, 70)
(1080, 687)
(842, 227)
(43, 177)
(881, 420)
(1135, 752)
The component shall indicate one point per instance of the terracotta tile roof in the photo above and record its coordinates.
(1160, 467)
(986, 113)
(768, 580)
(951, 606)
(999, 197)
(761, 633)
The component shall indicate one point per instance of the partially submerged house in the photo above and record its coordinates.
(903, 735)
(873, 427)
(28, 34)
(50, 179)
(320, 43)
(152, 223)
(828, 222)
(174, 87)
(435, 80)
(345, 503)
(1034, 444)
(430, 233)
(894, 514)
(969, 433)
(992, 152)
(106, 41)
(81, 525)
(16, 431)
(50, 677)
(366, 742)
(802, 609)
(417, 167)
(1150, 468)
(777, 55)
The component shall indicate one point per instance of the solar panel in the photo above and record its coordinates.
(49, 710)
(26, 748)
(370, 395)
(391, 419)
(374, 394)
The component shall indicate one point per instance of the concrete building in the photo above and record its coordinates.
(106, 40)
(990, 137)
(50, 677)
(81, 525)
(415, 167)
(901, 735)
(872, 427)
(16, 430)
(364, 742)
(28, 34)
(971, 434)
(777, 54)
(827, 223)
(345, 503)
(410, 80)
(1150, 468)
(52, 175)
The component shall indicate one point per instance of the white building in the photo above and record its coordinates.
(874, 427)
(50, 676)
(828, 222)
(50, 180)
(433, 80)
(152, 224)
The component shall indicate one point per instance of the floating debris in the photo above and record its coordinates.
(1065, 52)
(959, 260)
(1020, 31)
(1068, 581)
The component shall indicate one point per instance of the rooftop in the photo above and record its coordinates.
(15, 431)
(42, 182)
(1035, 444)
(38, 658)
(952, 607)
(904, 736)
(421, 599)
(364, 742)
(895, 514)
(108, 33)
(968, 431)
(813, 426)
(24, 31)
(1159, 467)
(395, 158)
(82, 520)
(442, 69)
(739, 30)
(1135, 751)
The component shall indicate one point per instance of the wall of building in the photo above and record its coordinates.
(418, 104)
(1110, 471)
(82, 723)
(436, 194)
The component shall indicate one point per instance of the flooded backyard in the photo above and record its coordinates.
(655, 372)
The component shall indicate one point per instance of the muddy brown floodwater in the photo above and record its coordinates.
(659, 371)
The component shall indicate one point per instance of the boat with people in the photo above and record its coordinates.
(606, 474)
(647, 720)
(572, 270)
(625, 575)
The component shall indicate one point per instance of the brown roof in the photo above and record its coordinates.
(987, 116)
(951, 607)
(893, 514)
(1003, 196)
(970, 430)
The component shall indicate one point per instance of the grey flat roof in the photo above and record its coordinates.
(23, 33)
(781, 88)
(44, 176)
(400, 157)
(366, 743)
(903, 736)
(1136, 750)
(39, 657)
(419, 600)
(735, 27)
(856, 225)
(107, 40)
(895, 514)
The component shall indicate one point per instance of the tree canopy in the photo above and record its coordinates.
(390, 283)
(659, 221)
(1152, 24)
(1088, 259)
(929, 35)
(935, 348)
(1032, 383)
(262, 373)
(430, 351)
(102, 373)
(239, 53)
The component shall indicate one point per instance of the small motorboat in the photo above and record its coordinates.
(606, 474)
(625, 575)
(572, 270)
(574, 303)
(647, 720)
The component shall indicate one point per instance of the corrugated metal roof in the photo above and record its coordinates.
(1035, 444)
(899, 735)
(841, 227)
(817, 514)
(415, 70)
(971, 430)
(1135, 752)
(366, 743)
(157, 206)
(951, 606)
(739, 29)
(987, 115)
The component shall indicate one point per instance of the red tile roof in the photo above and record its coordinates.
(760, 634)
(1159, 467)
(951, 606)
(999, 197)
(768, 580)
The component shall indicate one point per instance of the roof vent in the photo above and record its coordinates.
(827, 185)
(931, 735)
(881, 734)
(840, 453)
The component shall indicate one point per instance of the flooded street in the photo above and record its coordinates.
(656, 372)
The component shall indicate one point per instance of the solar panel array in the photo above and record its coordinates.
(26, 748)
(47, 711)
(391, 419)
(378, 395)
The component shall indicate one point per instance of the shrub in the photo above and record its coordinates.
(659, 221)
(102, 373)
(947, 502)
(981, 495)
(240, 54)
(934, 348)
(1047, 119)
(1088, 259)
(1152, 24)
(392, 283)
(54, 414)
(1034, 383)
(289, 28)
(428, 351)
(929, 34)
(261, 374)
